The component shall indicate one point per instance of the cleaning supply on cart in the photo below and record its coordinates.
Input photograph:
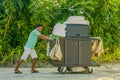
(97, 46)
(55, 53)
(58, 31)
(54, 36)
(76, 20)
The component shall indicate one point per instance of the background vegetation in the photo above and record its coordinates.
(19, 17)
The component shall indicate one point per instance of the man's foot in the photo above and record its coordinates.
(34, 71)
(17, 72)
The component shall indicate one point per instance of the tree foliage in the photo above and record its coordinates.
(105, 18)
(19, 17)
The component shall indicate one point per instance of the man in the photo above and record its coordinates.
(29, 49)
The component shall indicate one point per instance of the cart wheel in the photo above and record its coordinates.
(88, 70)
(68, 68)
(61, 69)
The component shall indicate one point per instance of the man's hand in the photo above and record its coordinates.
(44, 37)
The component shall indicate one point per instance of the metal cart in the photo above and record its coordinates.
(76, 53)
(76, 49)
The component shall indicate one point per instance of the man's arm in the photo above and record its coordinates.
(44, 37)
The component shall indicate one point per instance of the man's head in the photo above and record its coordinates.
(39, 27)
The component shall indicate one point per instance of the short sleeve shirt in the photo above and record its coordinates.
(32, 39)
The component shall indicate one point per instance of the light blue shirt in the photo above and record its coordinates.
(32, 39)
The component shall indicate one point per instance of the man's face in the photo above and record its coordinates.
(39, 28)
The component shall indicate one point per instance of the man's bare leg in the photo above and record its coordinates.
(18, 65)
(33, 65)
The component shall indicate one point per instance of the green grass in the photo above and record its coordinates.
(108, 57)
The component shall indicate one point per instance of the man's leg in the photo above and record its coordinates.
(34, 60)
(18, 65)
(23, 58)
(33, 64)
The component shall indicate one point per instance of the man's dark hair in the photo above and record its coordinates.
(39, 25)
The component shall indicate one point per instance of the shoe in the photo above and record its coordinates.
(18, 72)
(34, 71)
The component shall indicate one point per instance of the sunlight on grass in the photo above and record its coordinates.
(108, 57)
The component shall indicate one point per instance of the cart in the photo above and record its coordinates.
(75, 46)
(76, 54)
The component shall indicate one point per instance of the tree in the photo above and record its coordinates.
(19, 17)
(104, 22)
(14, 19)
